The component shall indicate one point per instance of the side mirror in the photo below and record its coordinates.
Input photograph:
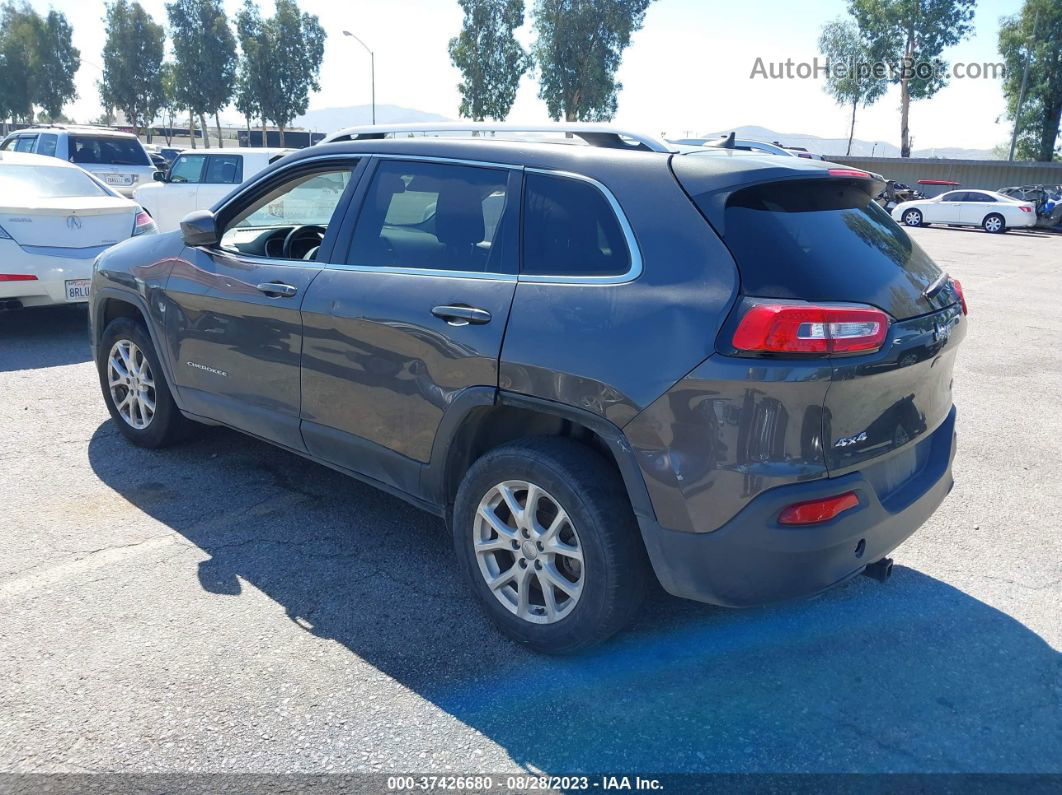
(200, 228)
(159, 176)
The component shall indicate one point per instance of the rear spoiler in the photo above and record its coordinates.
(716, 180)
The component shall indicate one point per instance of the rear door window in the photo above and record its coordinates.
(46, 144)
(224, 170)
(434, 216)
(107, 151)
(826, 240)
(570, 229)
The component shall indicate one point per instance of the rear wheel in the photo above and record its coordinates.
(135, 389)
(994, 223)
(548, 540)
(912, 218)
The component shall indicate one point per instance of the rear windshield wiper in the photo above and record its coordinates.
(936, 286)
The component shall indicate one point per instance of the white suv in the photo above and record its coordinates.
(198, 180)
(116, 158)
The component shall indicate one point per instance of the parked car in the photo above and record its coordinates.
(197, 180)
(169, 152)
(117, 158)
(1046, 198)
(987, 209)
(726, 370)
(54, 220)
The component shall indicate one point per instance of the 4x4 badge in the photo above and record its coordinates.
(845, 441)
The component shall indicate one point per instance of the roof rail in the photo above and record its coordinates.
(602, 135)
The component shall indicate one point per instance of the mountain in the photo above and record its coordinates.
(331, 119)
(837, 146)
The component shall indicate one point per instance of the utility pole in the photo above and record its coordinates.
(1024, 83)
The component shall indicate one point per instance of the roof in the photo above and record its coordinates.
(82, 129)
(239, 150)
(9, 158)
(606, 135)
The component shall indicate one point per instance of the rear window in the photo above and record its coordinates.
(105, 151)
(47, 182)
(826, 240)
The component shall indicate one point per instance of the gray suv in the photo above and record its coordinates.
(726, 370)
(115, 158)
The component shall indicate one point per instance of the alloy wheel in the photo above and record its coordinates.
(528, 551)
(131, 383)
(993, 224)
(912, 219)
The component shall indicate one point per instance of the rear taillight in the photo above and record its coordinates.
(1024, 208)
(144, 224)
(17, 277)
(956, 285)
(816, 511)
(808, 328)
(848, 172)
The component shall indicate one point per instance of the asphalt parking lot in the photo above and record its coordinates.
(226, 606)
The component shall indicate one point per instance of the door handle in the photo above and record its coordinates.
(461, 315)
(278, 289)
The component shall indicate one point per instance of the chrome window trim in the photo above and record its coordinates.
(398, 270)
(635, 268)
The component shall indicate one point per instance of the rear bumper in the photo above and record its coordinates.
(753, 560)
(53, 267)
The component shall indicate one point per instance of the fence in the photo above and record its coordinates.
(984, 174)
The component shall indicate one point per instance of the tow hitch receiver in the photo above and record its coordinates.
(880, 571)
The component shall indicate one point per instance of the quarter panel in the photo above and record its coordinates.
(728, 431)
(614, 348)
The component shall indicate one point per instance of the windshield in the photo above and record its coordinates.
(46, 182)
(99, 150)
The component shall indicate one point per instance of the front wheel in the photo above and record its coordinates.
(545, 533)
(135, 389)
(994, 223)
(912, 218)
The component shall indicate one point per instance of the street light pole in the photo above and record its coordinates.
(372, 69)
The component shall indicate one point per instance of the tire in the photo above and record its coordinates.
(994, 223)
(609, 582)
(912, 217)
(165, 425)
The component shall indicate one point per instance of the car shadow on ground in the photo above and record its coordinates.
(46, 337)
(911, 676)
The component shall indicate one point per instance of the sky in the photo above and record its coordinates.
(688, 71)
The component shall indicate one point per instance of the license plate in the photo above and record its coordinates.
(78, 289)
(119, 179)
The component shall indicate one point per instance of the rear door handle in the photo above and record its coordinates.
(461, 315)
(275, 289)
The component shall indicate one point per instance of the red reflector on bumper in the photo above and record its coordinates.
(816, 511)
(17, 277)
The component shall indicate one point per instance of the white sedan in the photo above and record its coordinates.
(55, 219)
(987, 209)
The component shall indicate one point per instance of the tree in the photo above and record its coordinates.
(909, 37)
(19, 26)
(171, 106)
(578, 48)
(132, 63)
(252, 83)
(57, 63)
(490, 58)
(1035, 36)
(851, 79)
(295, 45)
(205, 53)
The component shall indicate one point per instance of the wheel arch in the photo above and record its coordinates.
(482, 418)
(109, 305)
